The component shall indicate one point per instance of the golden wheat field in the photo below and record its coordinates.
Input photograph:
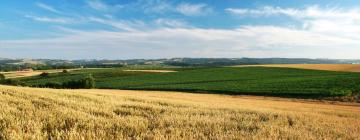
(30, 113)
(329, 67)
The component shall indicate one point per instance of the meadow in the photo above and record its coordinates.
(31, 113)
(285, 82)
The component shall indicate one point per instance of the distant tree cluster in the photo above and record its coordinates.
(7, 66)
(2, 77)
(86, 83)
(44, 74)
(13, 82)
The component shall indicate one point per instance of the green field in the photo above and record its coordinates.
(225, 80)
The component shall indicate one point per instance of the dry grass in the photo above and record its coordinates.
(152, 71)
(20, 74)
(329, 67)
(29, 113)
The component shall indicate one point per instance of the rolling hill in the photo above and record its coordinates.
(285, 82)
(31, 113)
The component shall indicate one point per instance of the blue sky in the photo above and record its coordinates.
(127, 29)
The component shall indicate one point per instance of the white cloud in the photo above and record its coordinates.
(97, 4)
(101, 6)
(136, 25)
(311, 12)
(264, 11)
(120, 24)
(164, 6)
(48, 8)
(332, 21)
(246, 41)
(193, 9)
(156, 6)
(51, 20)
(164, 22)
(326, 33)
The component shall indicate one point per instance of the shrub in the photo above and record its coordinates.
(88, 82)
(340, 92)
(44, 74)
(65, 71)
(73, 84)
(13, 82)
(2, 77)
(53, 85)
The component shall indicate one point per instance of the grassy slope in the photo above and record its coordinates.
(247, 80)
(250, 80)
(98, 73)
(75, 75)
(29, 113)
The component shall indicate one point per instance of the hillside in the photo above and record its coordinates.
(285, 82)
(328, 67)
(46, 64)
(29, 113)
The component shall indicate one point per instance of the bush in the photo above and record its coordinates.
(2, 77)
(53, 85)
(340, 92)
(44, 74)
(65, 71)
(13, 82)
(88, 82)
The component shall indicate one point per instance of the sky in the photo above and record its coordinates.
(151, 29)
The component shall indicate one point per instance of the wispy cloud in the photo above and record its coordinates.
(153, 6)
(101, 6)
(175, 23)
(168, 35)
(194, 9)
(308, 12)
(246, 41)
(334, 21)
(167, 7)
(264, 11)
(51, 20)
(120, 24)
(48, 8)
(97, 4)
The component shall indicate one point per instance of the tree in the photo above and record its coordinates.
(88, 82)
(13, 82)
(2, 77)
(65, 71)
(44, 74)
(53, 85)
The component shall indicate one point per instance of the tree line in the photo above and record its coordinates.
(87, 82)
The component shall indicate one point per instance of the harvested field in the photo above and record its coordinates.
(30, 113)
(22, 74)
(152, 71)
(328, 67)
(19, 74)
